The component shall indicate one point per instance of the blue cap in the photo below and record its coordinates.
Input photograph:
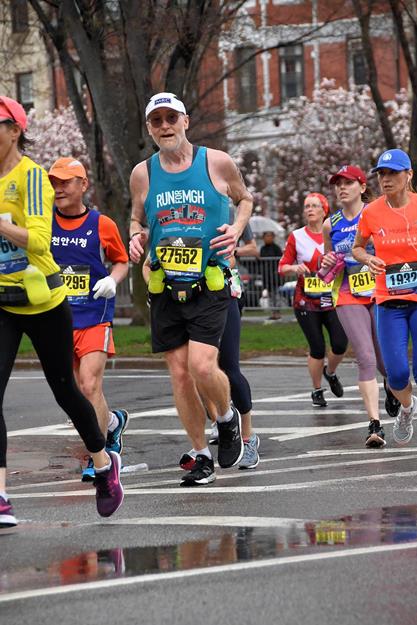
(393, 159)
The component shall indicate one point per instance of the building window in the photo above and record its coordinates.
(246, 80)
(291, 72)
(20, 16)
(24, 87)
(360, 68)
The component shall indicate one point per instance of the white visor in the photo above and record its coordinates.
(164, 100)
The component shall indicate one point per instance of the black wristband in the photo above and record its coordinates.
(134, 234)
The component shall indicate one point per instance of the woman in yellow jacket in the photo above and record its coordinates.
(33, 301)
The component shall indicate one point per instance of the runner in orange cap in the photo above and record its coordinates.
(83, 241)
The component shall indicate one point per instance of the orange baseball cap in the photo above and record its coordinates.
(66, 168)
(13, 111)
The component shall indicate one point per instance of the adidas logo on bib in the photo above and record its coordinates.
(406, 267)
(178, 243)
(68, 269)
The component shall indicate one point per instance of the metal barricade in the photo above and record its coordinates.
(264, 287)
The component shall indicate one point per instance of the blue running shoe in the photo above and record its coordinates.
(250, 458)
(88, 473)
(115, 439)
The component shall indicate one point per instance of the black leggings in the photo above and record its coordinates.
(229, 359)
(312, 323)
(51, 335)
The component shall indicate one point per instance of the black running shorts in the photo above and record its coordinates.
(202, 319)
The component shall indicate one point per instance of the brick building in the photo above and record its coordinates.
(305, 42)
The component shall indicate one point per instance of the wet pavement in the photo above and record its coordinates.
(323, 530)
(385, 526)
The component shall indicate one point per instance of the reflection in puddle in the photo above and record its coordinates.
(374, 527)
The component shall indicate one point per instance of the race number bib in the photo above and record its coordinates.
(361, 283)
(180, 256)
(314, 287)
(77, 280)
(12, 258)
(401, 279)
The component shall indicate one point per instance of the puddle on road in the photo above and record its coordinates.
(383, 526)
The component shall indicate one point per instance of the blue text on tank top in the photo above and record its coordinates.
(80, 256)
(184, 211)
(343, 234)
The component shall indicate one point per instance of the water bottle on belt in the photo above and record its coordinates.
(156, 283)
(214, 276)
(36, 286)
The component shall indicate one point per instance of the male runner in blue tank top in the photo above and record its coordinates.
(183, 192)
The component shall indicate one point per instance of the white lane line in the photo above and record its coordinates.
(214, 570)
(216, 521)
(312, 467)
(139, 375)
(214, 490)
(286, 433)
(308, 455)
(305, 395)
(300, 432)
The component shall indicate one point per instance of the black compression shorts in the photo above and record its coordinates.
(201, 319)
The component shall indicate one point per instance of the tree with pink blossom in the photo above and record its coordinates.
(55, 134)
(336, 127)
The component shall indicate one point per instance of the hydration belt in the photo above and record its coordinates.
(17, 296)
(184, 291)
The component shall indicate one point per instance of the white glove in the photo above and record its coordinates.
(106, 287)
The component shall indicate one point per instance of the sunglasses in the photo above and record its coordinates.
(157, 120)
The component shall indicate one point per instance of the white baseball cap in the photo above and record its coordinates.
(165, 100)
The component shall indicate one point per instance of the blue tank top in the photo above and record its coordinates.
(80, 256)
(183, 211)
(342, 234)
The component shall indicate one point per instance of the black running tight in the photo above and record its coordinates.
(51, 335)
(312, 323)
(229, 359)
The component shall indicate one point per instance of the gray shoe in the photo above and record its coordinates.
(403, 424)
(250, 458)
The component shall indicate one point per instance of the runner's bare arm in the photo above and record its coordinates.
(228, 180)
(139, 185)
(359, 253)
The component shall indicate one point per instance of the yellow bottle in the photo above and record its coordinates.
(214, 276)
(36, 286)
(156, 283)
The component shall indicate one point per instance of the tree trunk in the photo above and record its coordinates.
(364, 19)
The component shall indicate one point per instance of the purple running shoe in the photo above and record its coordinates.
(109, 490)
(7, 518)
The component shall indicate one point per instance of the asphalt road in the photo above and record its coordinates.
(322, 532)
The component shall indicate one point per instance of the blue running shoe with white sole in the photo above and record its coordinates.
(250, 458)
(114, 440)
(88, 473)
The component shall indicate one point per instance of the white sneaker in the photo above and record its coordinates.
(402, 430)
(214, 434)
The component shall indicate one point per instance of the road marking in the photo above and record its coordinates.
(110, 376)
(214, 490)
(311, 467)
(308, 455)
(214, 570)
(217, 521)
(285, 433)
